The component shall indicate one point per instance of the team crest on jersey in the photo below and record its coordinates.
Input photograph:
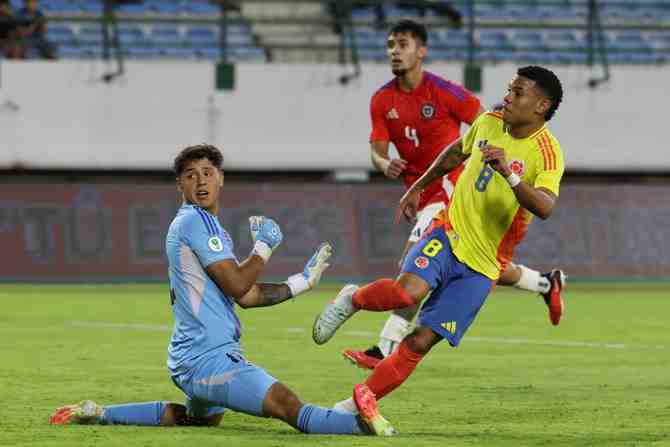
(421, 262)
(517, 167)
(215, 244)
(427, 110)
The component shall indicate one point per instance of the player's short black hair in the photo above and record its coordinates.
(548, 83)
(197, 152)
(415, 29)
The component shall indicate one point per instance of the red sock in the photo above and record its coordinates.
(383, 294)
(393, 371)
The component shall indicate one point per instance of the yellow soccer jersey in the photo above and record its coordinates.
(486, 220)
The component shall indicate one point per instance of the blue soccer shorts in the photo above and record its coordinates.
(458, 292)
(224, 381)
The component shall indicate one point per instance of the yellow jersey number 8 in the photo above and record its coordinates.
(432, 248)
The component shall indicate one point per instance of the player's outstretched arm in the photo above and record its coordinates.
(264, 294)
(448, 160)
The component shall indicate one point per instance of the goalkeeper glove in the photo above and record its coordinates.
(266, 235)
(311, 275)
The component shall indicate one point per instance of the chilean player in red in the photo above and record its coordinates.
(421, 114)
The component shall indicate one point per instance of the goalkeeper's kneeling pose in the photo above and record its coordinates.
(204, 357)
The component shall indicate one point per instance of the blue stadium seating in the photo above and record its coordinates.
(143, 52)
(179, 52)
(131, 35)
(165, 35)
(60, 34)
(203, 36)
(150, 39)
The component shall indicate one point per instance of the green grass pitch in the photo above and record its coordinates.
(600, 378)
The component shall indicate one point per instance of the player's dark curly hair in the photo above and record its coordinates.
(197, 152)
(415, 29)
(548, 83)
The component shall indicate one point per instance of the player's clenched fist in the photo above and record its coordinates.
(495, 157)
(395, 168)
(266, 235)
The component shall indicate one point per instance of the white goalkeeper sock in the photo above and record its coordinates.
(532, 280)
(392, 334)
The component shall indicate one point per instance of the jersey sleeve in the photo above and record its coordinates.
(469, 138)
(551, 167)
(461, 103)
(380, 131)
(202, 235)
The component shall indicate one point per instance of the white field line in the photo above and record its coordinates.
(368, 334)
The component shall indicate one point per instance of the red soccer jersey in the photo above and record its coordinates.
(420, 124)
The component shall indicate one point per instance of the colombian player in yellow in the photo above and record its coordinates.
(513, 172)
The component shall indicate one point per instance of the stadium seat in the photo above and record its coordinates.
(72, 52)
(90, 7)
(200, 7)
(143, 52)
(134, 8)
(394, 14)
(528, 40)
(60, 7)
(493, 40)
(60, 34)
(235, 53)
(90, 34)
(164, 6)
(564, 40)
(249, 54)
(165, 35)
(202, 36)
(659, 41)
(629, 40)
(178, 52)
(131, 35)
(364, 13)
(449, 38)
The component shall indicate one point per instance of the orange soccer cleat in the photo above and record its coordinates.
(366, 402)
(367, 359)
(552, 298)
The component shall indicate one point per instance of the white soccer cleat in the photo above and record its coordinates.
(346, 406)
(85, 412)
(334, 315)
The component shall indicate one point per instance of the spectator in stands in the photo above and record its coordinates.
(33, 31)
(9, 44)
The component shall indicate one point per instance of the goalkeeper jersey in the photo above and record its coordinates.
(205, 322)
(485, 220)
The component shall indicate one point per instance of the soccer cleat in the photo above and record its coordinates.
(85, 412)
(334, 315)
(552, 298)
(366, 402)
(368, 359)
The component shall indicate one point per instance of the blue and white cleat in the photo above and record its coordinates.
(334, 315)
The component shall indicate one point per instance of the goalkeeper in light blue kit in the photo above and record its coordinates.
(205, 359)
